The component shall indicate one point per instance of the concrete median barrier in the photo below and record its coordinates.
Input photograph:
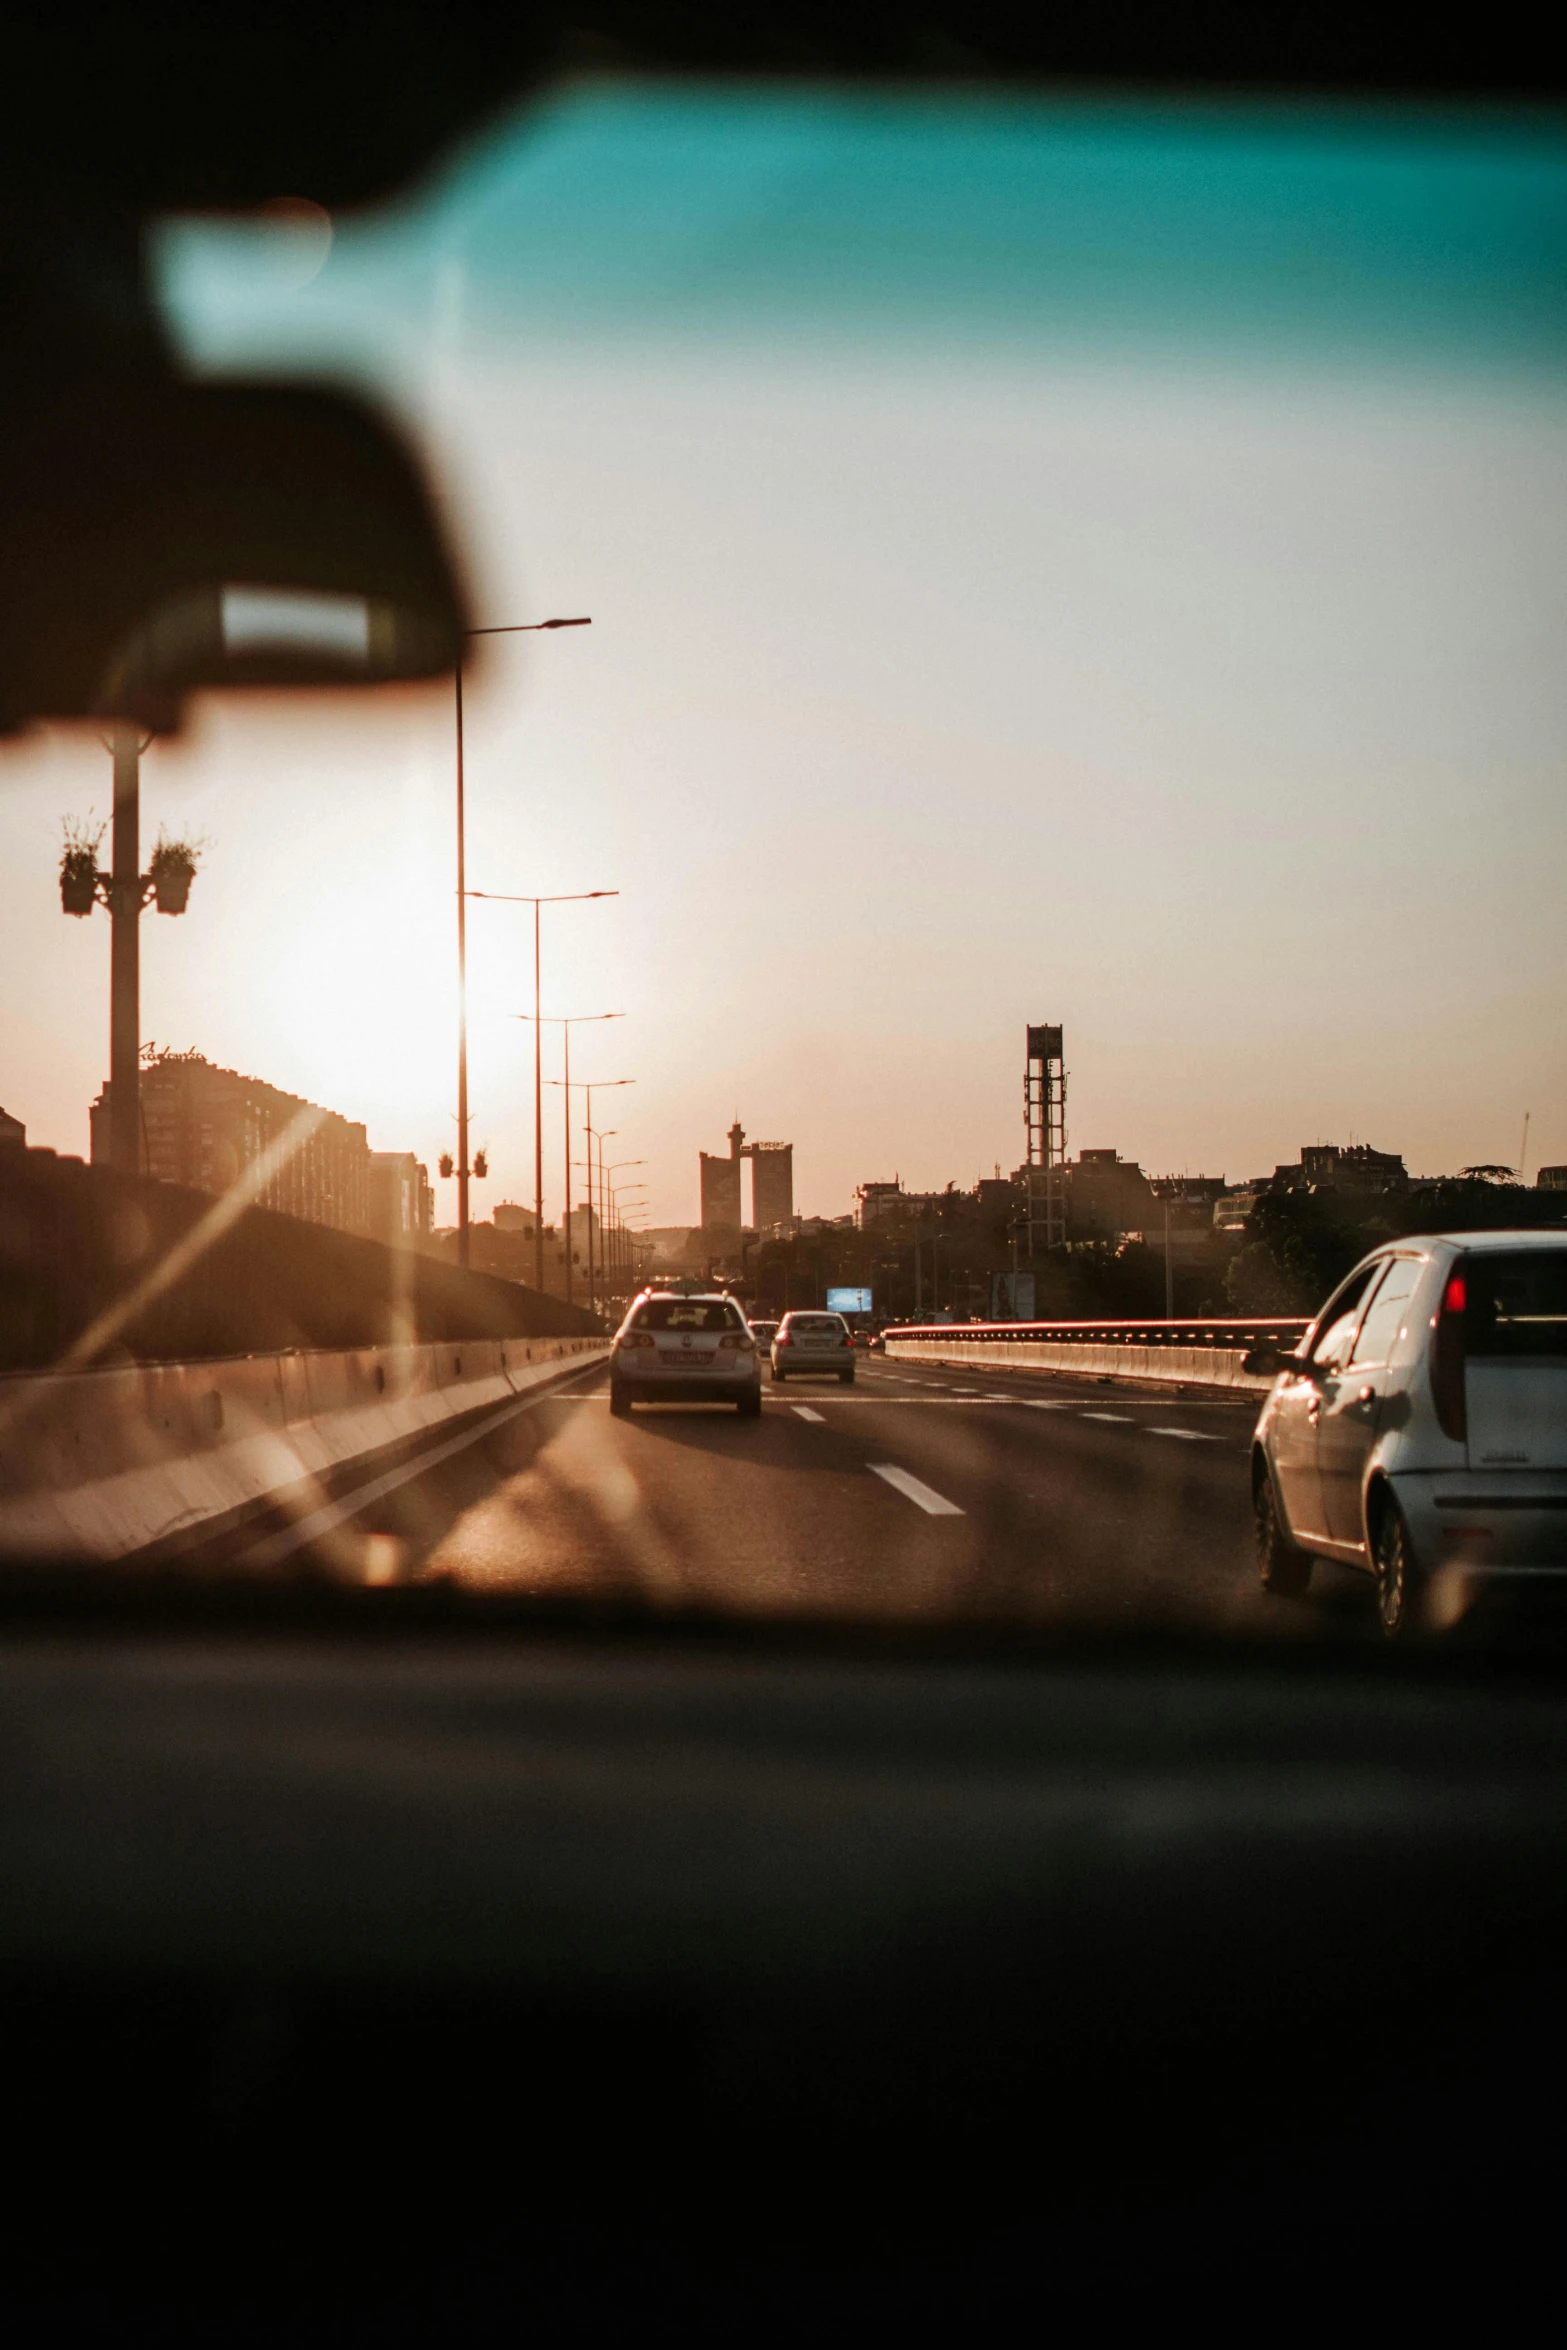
(102, 1464)
(1177, 1365)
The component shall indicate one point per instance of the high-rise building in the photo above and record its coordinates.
(721, 1185)
(772, 1184)
(204, 1127)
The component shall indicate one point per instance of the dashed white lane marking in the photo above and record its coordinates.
(1121, 1418)
(803, 1411)
(1188, 1435)
(935, 1505)
(1038, 1403)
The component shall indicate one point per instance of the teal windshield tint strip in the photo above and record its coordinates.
(856, 217)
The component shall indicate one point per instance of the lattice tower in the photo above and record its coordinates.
(1044, 1118)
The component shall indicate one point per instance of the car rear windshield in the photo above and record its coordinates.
(815, 1325)
(686, 1313)
(1517, 1304)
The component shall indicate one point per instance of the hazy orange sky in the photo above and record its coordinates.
(1015, 596)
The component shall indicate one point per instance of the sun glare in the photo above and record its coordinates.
(362, 1008)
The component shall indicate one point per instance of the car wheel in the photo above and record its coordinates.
(1401, 1591)
(778, 1378)
(845, 1378)
(750, 1406)
(1284, 1569)
(619, 1400)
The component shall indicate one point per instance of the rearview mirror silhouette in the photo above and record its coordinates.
(163, 537)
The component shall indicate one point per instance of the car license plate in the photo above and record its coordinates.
(703, 1362)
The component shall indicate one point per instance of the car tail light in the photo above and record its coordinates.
(782, 1340)
(634, 1338)
(1447, 1360)
(734, 1340)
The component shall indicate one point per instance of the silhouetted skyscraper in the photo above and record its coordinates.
(772, 1184)
(721, 1185)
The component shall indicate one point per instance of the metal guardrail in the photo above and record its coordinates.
(1230, 1333)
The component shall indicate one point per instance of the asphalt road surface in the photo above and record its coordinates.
(921, 1493)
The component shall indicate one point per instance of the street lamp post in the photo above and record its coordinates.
(603, 1205)
(614, 1191)
(565, 898)
(519, 628)
(632, 1229)
(125, 890)
(599, 1085)
(125, 904)
(566, 1025)
(611, 1193)
(624, 1252)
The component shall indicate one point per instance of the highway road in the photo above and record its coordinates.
(922, 1493)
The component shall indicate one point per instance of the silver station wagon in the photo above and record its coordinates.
(813, 1346)
(1420, 1431)
(677, 1349)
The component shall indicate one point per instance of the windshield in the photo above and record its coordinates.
(686, 1314)
(1093, 568)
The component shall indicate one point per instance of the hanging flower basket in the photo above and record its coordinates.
(171, 873)
(78, 881)
(79, 866)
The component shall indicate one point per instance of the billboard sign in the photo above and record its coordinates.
(848, 1301)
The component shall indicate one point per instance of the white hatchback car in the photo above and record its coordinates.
(672, 1348)
(813, 1346)
(1420, 1431)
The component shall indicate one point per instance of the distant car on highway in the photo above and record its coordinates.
(764, 1333)
(862, 1341)
(813, 1346)
(677, 1347)
(1420, 1430)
